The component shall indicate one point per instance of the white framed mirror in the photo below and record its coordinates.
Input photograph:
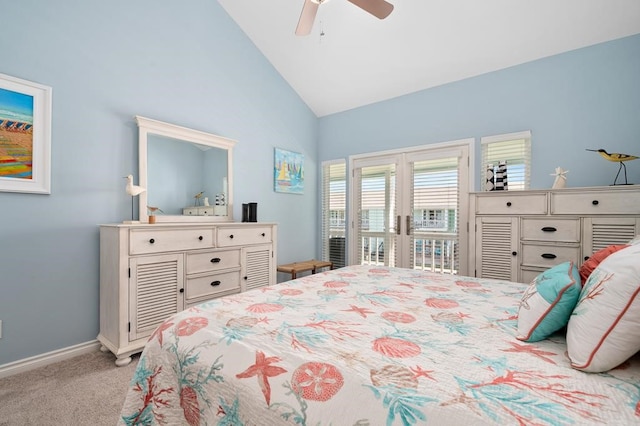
(188, 174)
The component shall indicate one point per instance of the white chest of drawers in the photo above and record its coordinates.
(519, 234)
(149, 272)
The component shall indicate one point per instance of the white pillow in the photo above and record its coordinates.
(604, 328)
(635, 241)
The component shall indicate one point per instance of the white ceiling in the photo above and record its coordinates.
(423, 43)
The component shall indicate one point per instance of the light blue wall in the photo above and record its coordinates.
(587, 98)
(189, 64)
(182, 62)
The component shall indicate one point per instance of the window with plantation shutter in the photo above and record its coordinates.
(506, 161)
(334, 197)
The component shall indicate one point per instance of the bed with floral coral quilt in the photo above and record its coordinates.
(367, 345)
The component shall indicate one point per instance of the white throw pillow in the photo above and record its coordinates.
(604, 328)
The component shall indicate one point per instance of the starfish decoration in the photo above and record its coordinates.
(360, 311)
(420, 372)
(529, 293)
(263, 370)
(164, 326)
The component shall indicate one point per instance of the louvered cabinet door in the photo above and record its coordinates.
(497, 247)
(600, 232)
(258, 267)
(156, 291)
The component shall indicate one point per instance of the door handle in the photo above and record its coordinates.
(398, 224)
(408, 225)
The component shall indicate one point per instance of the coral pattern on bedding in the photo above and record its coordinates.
(368, 345)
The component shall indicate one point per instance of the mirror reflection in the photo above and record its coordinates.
(183, 176)
(186, 173)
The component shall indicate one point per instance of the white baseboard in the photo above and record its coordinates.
(47, 358)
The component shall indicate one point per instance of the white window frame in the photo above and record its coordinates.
(515, 137)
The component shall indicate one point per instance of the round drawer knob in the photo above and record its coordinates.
(514, 253)
(595, 202)
(182, 290)
(586, 258)
(263, 234)
(152, 241)
(508, 203)
(231, 236)
(200, 238)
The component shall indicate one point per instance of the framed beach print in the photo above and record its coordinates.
(288, 172)
(25, 136)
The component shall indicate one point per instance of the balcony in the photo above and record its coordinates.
(431, 252)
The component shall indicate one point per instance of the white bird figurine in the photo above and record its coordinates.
(132, 189)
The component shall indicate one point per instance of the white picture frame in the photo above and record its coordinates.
(25, 136)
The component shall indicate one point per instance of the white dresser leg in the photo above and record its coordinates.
(121, 362)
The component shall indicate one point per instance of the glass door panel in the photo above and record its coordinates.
(376, 214)
(434, 213)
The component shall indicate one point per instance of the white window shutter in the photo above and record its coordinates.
(513, 149)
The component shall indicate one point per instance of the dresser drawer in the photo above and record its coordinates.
(565, 230)
(143, 241)
(512, 203)
(528, 275)
(597, 202)
(213, 285)
(546, 256)
(212, 261)
(243, 236)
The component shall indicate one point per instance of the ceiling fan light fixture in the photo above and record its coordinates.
(378, 8)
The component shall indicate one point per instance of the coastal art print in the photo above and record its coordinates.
(25, 136)
(288, 172)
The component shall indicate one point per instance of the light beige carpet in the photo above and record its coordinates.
(85, 390)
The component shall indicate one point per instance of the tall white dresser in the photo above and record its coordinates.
(515, 235)
(149, 272)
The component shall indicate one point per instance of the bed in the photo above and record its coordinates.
(365, 345)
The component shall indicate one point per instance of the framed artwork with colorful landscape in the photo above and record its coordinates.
(25, 136)
(288, 172)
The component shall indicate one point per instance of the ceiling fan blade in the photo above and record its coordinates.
(378, 8)
(308, 15)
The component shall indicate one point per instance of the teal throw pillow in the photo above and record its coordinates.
(548, 302)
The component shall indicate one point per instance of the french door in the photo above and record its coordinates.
(407, 207)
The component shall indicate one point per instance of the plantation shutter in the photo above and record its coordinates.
(514, 149)
(334, 209)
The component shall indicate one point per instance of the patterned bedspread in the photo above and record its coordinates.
(369, 345)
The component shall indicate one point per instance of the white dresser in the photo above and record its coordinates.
(149, 272)
(518, 234)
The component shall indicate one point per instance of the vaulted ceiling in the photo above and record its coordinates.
(352, 59)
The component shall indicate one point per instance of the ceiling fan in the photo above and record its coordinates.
(378, 8)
